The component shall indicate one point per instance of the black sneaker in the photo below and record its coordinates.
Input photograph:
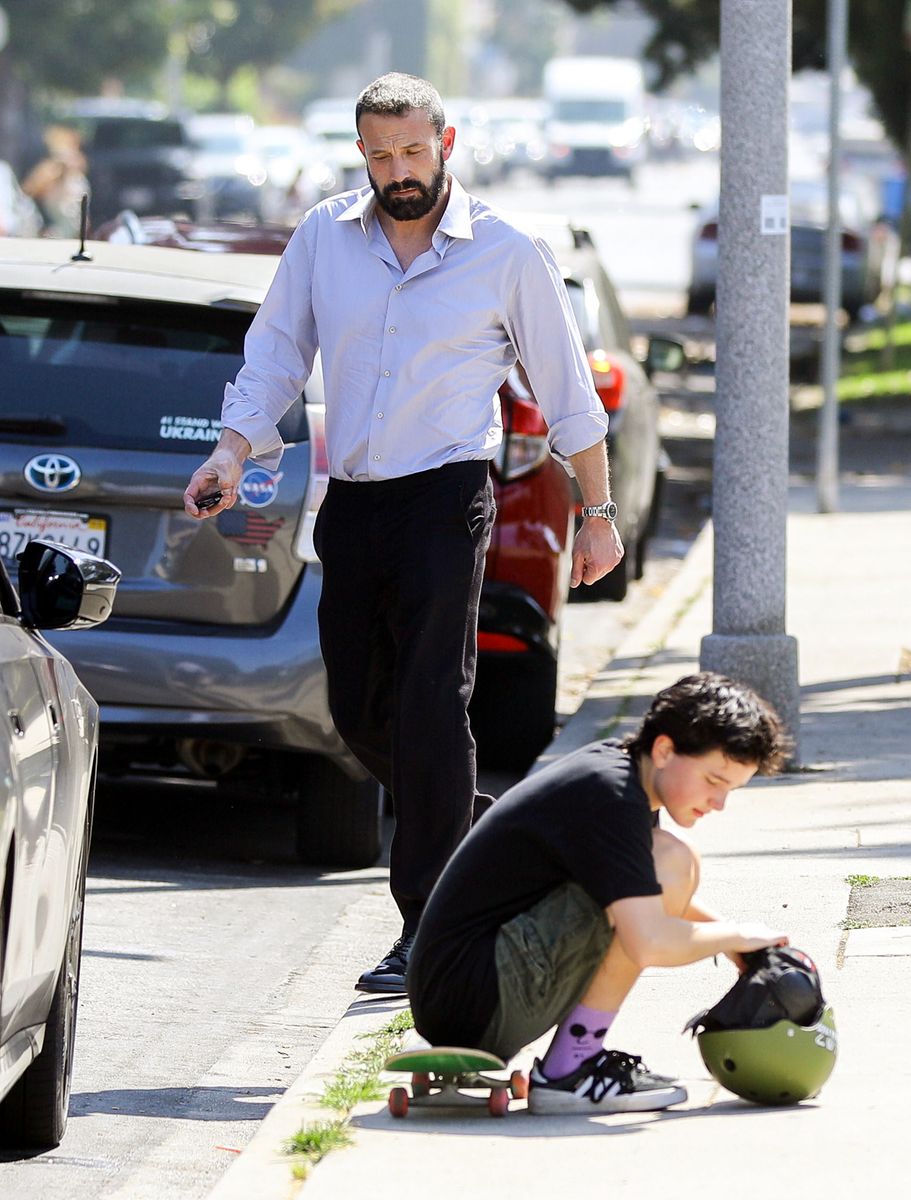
(389, 974)
(609, 1081)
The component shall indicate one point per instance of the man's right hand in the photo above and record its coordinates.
(221, 472)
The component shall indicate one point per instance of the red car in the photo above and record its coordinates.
(528, 564)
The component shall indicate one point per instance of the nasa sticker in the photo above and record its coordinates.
(258, 488)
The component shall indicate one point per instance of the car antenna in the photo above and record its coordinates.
(80, 255)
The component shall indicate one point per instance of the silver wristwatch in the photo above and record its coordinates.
(607, 510)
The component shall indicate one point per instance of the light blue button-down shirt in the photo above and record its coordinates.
(412, 360)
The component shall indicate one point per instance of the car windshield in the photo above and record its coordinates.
(116, 375)
(590, 110)
(128, 133)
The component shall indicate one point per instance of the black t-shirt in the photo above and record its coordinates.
(584, 818)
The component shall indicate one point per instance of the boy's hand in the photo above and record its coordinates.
(753, 937)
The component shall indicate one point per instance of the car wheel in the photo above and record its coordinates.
(339, 819)
(699, 302)
(33, 1115)
(512, 711)
(651, 524)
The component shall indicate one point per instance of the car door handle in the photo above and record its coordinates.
(16, 723)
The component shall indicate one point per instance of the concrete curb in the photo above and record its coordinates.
(264, 1170)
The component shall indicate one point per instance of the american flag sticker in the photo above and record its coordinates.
(248, 528)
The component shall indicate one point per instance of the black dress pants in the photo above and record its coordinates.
(403, 561)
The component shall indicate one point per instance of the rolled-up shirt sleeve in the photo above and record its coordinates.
(279, 350)
(543, 330)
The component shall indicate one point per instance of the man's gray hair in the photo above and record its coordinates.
(394, 94)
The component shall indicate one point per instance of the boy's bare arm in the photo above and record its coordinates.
(651, 938)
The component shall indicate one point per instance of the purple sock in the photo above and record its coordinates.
(580, 1035)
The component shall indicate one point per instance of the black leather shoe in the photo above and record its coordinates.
(389, 974)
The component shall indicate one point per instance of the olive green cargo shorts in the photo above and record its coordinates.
(545, 959)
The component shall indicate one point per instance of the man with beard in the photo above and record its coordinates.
(420, 298)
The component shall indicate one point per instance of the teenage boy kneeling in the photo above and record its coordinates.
(567, 889)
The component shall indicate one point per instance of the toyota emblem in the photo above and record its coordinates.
(52, 473)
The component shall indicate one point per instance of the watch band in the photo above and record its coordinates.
(607, 510)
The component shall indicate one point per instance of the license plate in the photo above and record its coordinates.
(80, 531)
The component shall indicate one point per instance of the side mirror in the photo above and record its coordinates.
(60, 588)
(664, 355)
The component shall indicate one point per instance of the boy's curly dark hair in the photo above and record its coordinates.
(394, 94)
(706, 712)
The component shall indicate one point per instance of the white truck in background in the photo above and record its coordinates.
(597, 123)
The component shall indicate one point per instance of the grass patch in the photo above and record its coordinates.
(358, 1079)
(861, 881)
(865, 371)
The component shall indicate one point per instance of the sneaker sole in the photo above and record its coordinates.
(544, 1101)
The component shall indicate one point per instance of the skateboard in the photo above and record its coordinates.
(451, 1077)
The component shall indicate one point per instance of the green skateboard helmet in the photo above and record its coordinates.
(782, 1064)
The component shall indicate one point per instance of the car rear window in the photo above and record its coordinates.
(120, 376)
(134, 133)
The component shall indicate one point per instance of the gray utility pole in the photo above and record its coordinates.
(827, 443)
(750, 472)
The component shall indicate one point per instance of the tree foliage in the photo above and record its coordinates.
(75, 46)
(687, 33)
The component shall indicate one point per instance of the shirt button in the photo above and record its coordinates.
(398, 287)
(387, 373)
(392, 329)
(380, 416)
(376, 458)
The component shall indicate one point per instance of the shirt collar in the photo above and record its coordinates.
(455, 221)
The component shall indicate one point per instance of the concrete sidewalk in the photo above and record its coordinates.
(781, 853)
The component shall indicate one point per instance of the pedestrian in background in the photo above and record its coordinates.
(420, 298)
(58, 182)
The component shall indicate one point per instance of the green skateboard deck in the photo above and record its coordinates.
(453, 1077)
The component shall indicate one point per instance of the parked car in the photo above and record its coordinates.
(529, 560)
(210, 665)
(48, 759)
(299, 170)
(229, 164)
(868, 245)
(140, 157)
(332, 122)
(637, 460)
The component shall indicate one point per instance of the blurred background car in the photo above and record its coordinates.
(48, 759)
(299, 170)
(517, 129)
(229, 164)
(139, 157)
(868, 245)
(332, 121)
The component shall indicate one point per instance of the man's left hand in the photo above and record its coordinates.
(596, 550)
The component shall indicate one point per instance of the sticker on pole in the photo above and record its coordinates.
(773, 214)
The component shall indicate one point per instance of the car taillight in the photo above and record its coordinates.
(850, 242)
(609, 379)
(502, 643)
(709, 232)
(316, 485)
(524, 445)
